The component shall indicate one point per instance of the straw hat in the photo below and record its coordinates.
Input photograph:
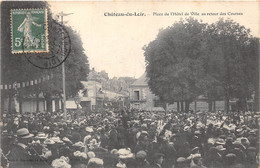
(181, 160)
(220, 142)
(220, 148)
(91, 154)
(89, 129)
(60, 163)
(114, 151)
(49, 142)
(23, 133)
(95, 162)
(79, 144)
(41, 135)
(125, 153)
(65, 139)
(80, 154)
(56, 140)
(186, 128)
(141, 154)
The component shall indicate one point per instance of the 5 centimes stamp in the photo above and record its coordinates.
(59, 48)
(29, 31)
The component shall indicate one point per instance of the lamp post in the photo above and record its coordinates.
(61, 14)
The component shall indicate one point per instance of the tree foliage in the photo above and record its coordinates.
(16, 68)
(191, 58)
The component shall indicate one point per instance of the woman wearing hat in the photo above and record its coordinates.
(19, 156)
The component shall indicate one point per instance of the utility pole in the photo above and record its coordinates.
(61, 14)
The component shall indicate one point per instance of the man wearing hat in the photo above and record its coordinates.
(157, 160)
(141, 161)
(19, 156)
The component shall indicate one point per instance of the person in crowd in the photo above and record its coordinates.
(141, 160)
(157, 160)
(19, 156)
(130, 139)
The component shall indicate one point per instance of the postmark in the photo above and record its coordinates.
(29, 31)
(59, 48)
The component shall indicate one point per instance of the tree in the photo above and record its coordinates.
(173, 62)
(234, 60)
(16, 68)
(191, 58)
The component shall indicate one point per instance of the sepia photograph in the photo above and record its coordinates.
(129, 84)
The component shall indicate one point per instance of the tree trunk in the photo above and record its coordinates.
(210, 105)
(48, 102)
(195, 106)
(256, 100)
(178, 106)
(226, 104)
(62, 105)
(244, 104)
(56, 104)
(214, 106)
(37, 102)
(187, 106)
(49, 105)
(182, 109)
(44, 108)
(10, 98)
(20, 105)
(2, 102)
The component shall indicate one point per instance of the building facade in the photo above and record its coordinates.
(141, 97)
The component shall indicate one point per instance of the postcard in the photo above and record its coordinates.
(105, 84)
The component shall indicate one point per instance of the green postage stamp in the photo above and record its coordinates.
(29, 31)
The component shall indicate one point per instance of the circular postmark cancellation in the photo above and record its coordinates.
(59, 47)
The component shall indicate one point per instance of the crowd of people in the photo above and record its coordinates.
(130, 139)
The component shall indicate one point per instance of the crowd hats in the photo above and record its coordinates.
(41, 135)
(220, 148)
(80, 154)
(195, 150)
(157, 156)
(253, 149)
(125, 153)
(252, 132)
(60, 163)
(181, 160)
(89, 129)
(114, 151)
(91, 154)
(220, 142)
(95, 162)
(79, 144)
(141, 155)
(24, 133)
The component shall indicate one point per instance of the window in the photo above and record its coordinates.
(136, 95)
(136, 106)
(85, 93)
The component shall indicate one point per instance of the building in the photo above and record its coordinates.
(92, 96)
(32, 103)
(141, 97)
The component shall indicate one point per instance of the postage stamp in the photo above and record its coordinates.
(29, 31)
(59, 48)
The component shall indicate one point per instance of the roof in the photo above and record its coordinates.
(141, 81)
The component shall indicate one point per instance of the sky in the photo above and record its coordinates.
(114, 43)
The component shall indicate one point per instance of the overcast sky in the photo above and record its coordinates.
(114, 43)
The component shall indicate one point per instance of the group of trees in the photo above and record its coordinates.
(192, 58)
(16, 67)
